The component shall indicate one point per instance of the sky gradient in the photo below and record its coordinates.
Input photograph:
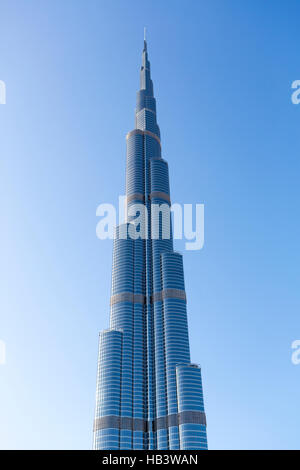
(222, 75)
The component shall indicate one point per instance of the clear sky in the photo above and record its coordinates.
(222, 74)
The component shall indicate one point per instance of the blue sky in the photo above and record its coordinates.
(222, 76)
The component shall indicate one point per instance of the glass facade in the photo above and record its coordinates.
(149, 395)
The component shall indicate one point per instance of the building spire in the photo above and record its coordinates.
(145, 42)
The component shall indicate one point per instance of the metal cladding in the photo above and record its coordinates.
(149, 395)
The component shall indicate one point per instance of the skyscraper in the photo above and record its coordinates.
(149, 395)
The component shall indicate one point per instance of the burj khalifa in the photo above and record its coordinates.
(149, 395)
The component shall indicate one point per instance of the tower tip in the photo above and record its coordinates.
(145, 42)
